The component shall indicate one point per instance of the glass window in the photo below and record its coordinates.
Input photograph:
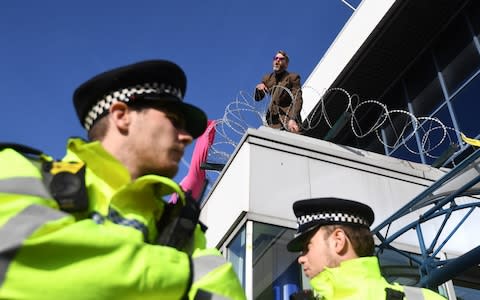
(436, 136)
(398, 268)
(467, 284)
(236, 255)
(276, 272)
(400, 138)
(456, 54)
(407, 153)
(402, 268)
(423, 87)
(395, 98)
(396, 126)
(465, 293)
(466, 105)
(366, 117)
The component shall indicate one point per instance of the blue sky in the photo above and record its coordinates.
(50, 47)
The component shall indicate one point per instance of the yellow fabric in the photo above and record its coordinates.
(470, 141)
(219, 281)
(83, 260)
(199, 240)
(60, 166)
(74, 258)
(355, 279)
(14, 164)
(71, 259)
(109, 185)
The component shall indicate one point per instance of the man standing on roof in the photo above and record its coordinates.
(286, 95)
(96, 225)
(337, 249)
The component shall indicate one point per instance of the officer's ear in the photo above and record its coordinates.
(340, 241)
(119, 115)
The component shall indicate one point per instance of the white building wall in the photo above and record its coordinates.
(273, 169)
(231, 197)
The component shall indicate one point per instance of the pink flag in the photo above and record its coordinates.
(195, 180)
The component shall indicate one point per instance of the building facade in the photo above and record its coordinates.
(384, 111)
(421, 61)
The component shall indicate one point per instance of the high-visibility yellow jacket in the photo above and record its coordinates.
(360, 278)
(107, 252)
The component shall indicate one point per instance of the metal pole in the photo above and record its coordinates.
(452, 268)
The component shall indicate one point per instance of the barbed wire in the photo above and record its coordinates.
(393, 128)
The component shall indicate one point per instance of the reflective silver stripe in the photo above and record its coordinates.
(413, 293)
(205, 295)
(24, 185)
(204, 264)
(19, 228)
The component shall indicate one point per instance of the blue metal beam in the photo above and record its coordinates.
(434, 272)
(452, 268)
(408, 208)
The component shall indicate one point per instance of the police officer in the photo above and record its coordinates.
(337, 249)
(95, 225)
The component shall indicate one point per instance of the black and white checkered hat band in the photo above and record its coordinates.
(332, 217)
(124, 95)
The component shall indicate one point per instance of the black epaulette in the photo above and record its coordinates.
(392, 294)
(64, 180)
(25, 150)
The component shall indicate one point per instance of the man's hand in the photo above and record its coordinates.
(293, 126)
(260, 91)
(262, 87)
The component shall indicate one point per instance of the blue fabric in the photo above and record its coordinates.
(116, 218)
